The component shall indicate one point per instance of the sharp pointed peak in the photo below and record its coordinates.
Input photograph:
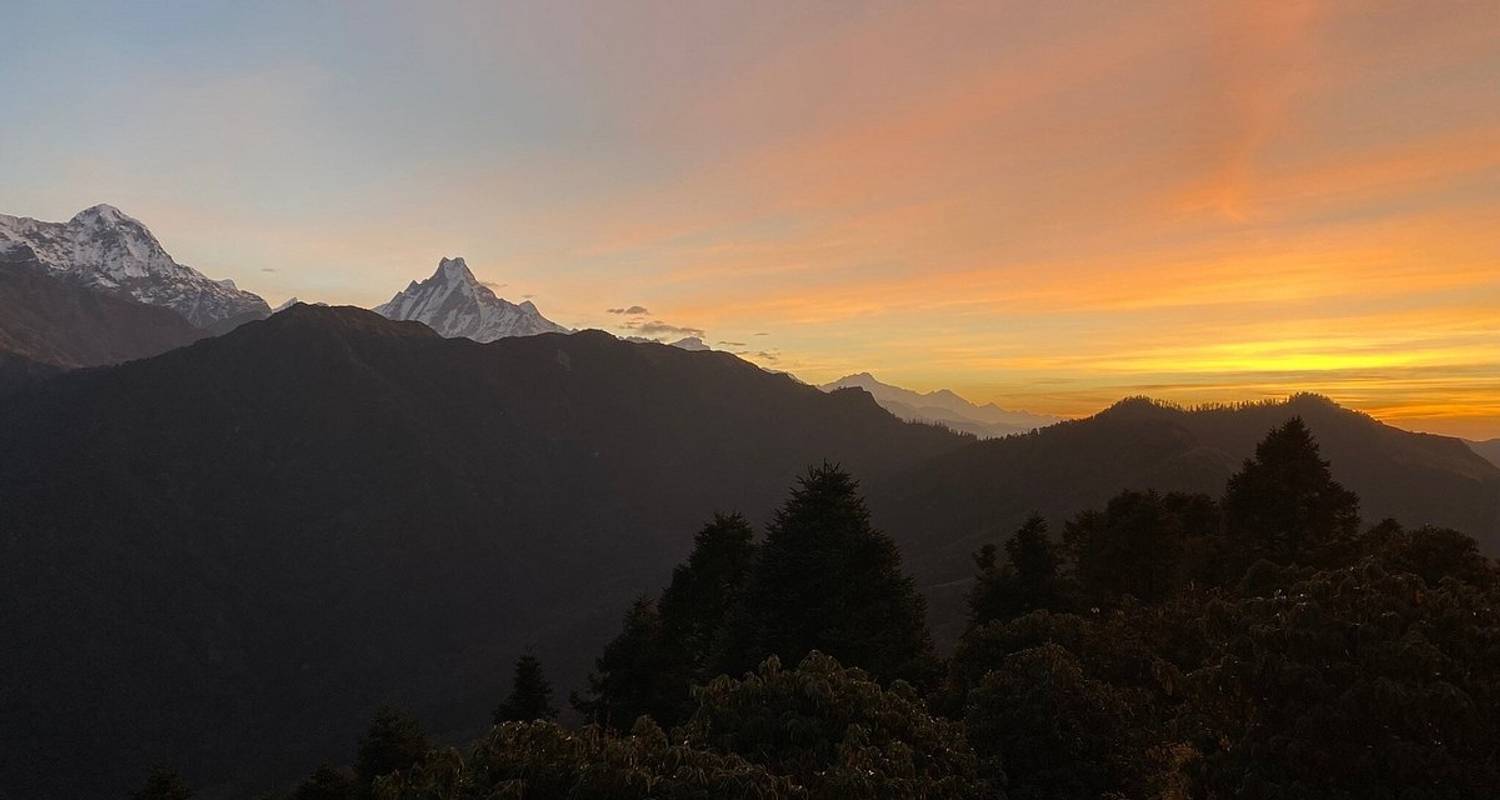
(454, 269)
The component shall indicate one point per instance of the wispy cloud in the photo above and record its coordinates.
(659, 328)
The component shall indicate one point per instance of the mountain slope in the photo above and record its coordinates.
(47, 319)
(103, 248)
(266, 534)
(1490, 450)
(944, 510)
(944, 407)
(455, 304)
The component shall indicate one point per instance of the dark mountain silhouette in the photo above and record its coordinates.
(47, 319)
(227, 556)
(1489, 449)
(944, 510)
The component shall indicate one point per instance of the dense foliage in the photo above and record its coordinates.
(1264, 646)
(820, 731)
(1266, 650)
(824, 579)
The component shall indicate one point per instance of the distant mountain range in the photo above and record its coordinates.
(455, 304)
(327, 510)
(943, 407)
(1489, 449)
(693, 343)
(103, 248)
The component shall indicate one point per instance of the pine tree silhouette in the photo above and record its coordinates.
(1284, 504)
(530, 694)
(827, 580)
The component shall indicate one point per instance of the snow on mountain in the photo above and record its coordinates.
(104, 248)
(284, 306)
(944, 407)
(691, 343)
(454, 303)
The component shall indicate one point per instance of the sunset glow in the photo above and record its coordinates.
(1048, 206)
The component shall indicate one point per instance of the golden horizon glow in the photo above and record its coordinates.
(1044, 206)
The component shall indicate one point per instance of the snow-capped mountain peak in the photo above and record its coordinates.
(104, 214)
(454, 303)
(691, 343)
(104, 248)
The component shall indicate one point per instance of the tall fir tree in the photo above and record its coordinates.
(530, 695)
(1030, 580)
(827, 580)
(393, 741)
(638, 674)
(1285, 506)
(706, 592)
(666, 647)
(1133, 548)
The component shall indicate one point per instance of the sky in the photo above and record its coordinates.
(1044, 205)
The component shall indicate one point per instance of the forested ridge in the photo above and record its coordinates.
(294, 523)
(1266, 642)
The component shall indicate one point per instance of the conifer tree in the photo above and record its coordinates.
(1134, 547)
(664, 648)
(706, 592)
(1285, 506)
(827, 580)
(393, 741)
(638, 674)
(1029, 581)
(530, 696)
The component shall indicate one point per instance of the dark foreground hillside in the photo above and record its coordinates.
(227, 556)
(1255, 645)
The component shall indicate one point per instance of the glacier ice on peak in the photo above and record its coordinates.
(104, 248)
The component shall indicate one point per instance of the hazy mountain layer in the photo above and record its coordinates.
(944, 407)
(1489, 449)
